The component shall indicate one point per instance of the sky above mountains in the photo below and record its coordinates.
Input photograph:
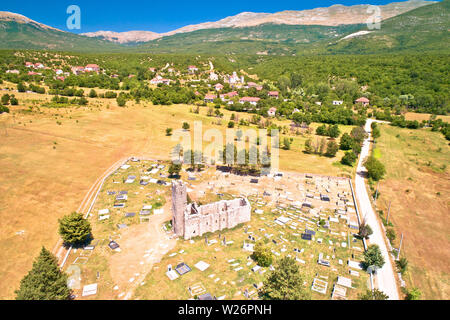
(154, 15)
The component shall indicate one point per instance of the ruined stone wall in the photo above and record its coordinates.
(190, 220)
(216, 217)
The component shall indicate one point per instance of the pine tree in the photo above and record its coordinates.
(44, 281)
(74, 229)
(285, 282)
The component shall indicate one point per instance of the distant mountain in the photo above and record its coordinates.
(332, 16)
(423, 29)
(262, 39)
(130, 37)
(19, 32)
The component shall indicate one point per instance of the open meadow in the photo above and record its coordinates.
(418, 184)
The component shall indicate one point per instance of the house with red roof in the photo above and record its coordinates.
(218, 87)
(77, 70)
(92, 68)
(192, 69)
(159, 80)
(363, 100)
(228, 95)
(273, 94)
(39, 66)
(252, 100)
(210, 98)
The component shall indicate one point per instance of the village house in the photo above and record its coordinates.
(272, 112)
(13, 71)
(77, 70)
(213, 76)
(61, 78)
(273, 94)
(152, 69)
(59, 71)
(218, 87)
(224, 97)
(235, 79)
(92, 68)
(363, 100)
(32, 73)
(337, 102)
(159, 79)
(210, 98)
(252, 100)
(192, 69)
(39, 66)
(29, 65)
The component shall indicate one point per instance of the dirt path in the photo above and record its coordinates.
(141, 247)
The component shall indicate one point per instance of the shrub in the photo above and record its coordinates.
(349, 158)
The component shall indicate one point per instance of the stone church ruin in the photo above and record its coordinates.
(191, 220)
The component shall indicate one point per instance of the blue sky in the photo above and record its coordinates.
(153, 15)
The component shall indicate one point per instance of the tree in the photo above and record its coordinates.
(332, 149)
(14, 101)
(346, 142)
(309, 148)
(285, 282)
(169, 132)
(365, 231)
(286, 144)
(373, 295)
(373, 256)
(121, 101)
(186, 126)
(413, 294)
(21, 87)
(322, 145)
(375, 169)
(231, 124)
(322, 130)
(174, 169)
(5, 99)
(333, 131)
(376, 133)
(45, 281)
(74, 229)
(358, 134)
(402, 264)
(262, 255)
(92, 94)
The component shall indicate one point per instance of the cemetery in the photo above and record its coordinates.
(310, 218)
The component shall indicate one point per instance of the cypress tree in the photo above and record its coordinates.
(44, 281)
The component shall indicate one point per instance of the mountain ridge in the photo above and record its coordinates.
(334, 15)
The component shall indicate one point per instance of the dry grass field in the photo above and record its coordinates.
(418, 184)
(49, 158)
(424, 116)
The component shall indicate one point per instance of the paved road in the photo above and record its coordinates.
(385, 278)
